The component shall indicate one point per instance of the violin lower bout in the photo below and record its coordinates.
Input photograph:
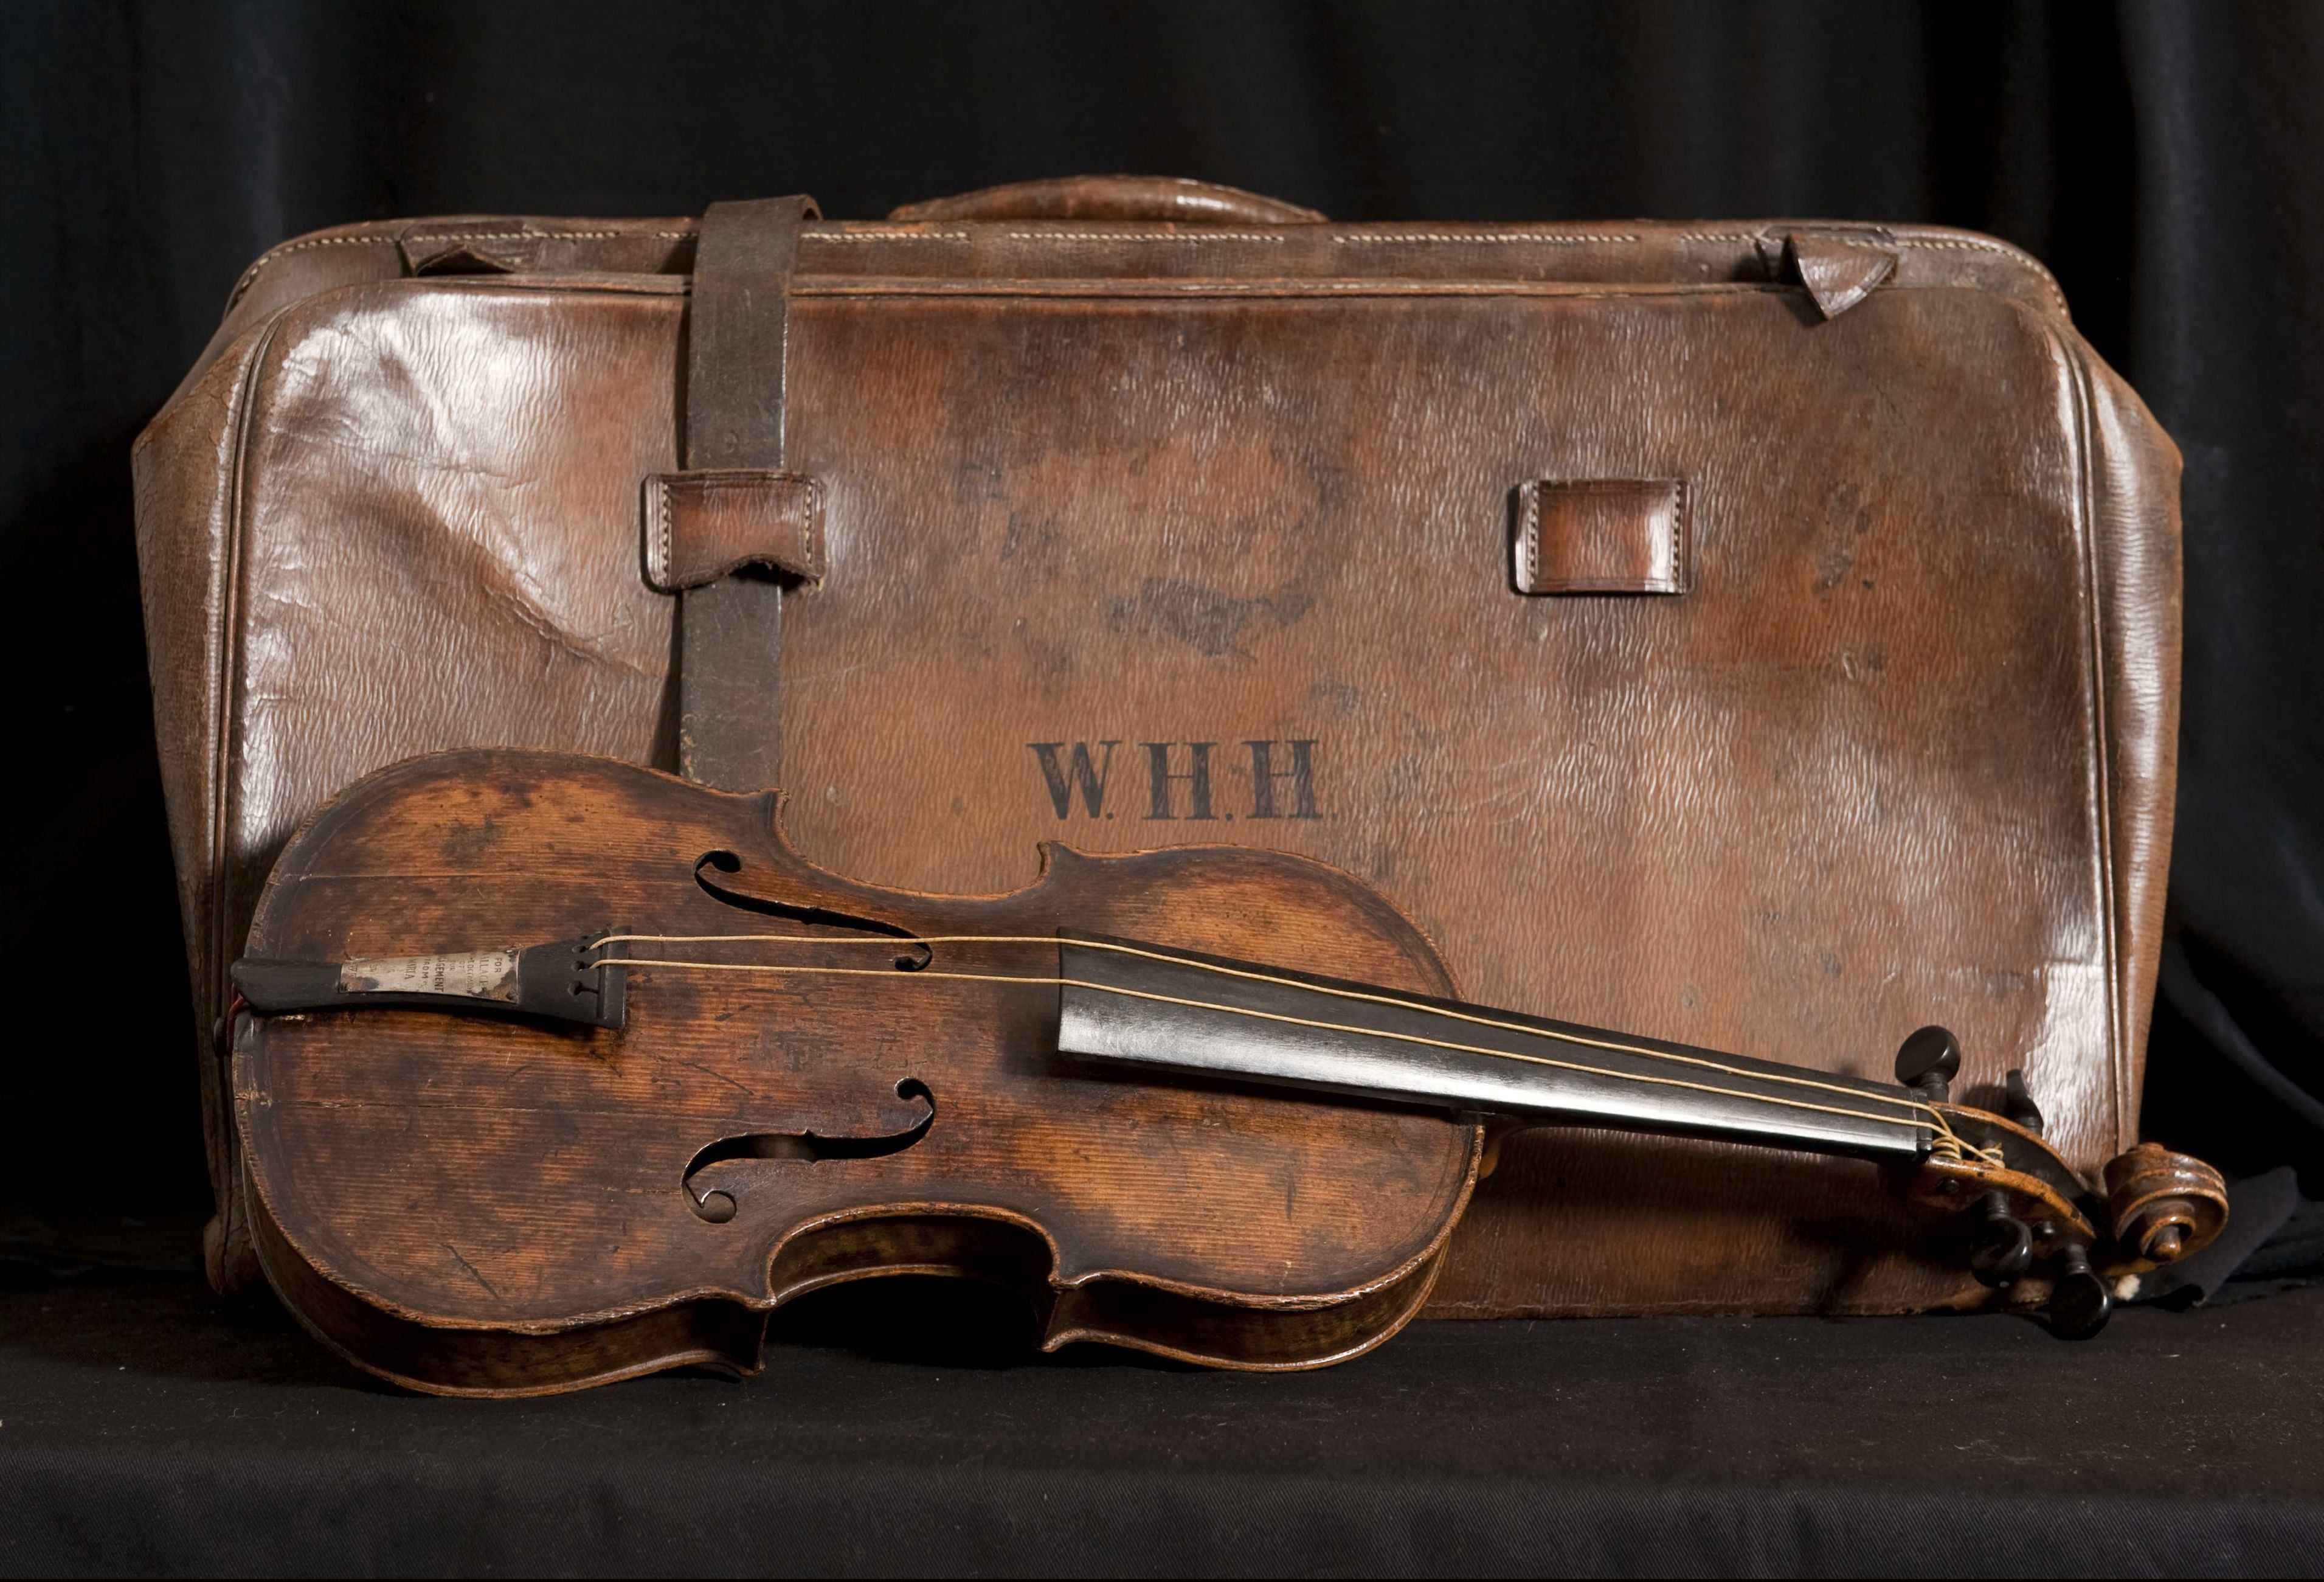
(1213, 1328)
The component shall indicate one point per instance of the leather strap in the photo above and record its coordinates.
(730, 631)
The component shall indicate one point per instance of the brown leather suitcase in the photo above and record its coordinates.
(1759, 635)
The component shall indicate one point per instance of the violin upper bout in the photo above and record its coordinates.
(1250, 903)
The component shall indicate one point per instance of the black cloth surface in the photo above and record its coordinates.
(150, 1427)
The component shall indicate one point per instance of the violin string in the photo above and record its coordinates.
(1943, 1140)
(1394, 1002)
(1410, 1038)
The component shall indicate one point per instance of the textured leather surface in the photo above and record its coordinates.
(1117, 513)
(1600, 535)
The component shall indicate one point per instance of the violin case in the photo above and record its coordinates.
(1759, 636)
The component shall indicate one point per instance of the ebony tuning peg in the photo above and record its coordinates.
(2001, 1248)
(1927, 1062)
(2080, 1302)
(2019, 1104)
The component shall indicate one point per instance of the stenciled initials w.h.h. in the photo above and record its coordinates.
(1277, 789)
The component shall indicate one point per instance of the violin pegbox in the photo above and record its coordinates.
(2035, 1216)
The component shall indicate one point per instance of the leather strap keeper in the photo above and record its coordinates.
(1601, 536)
(701, 526)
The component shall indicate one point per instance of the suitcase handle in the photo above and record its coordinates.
(1114, 197)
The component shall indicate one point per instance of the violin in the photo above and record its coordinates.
(549, 1071)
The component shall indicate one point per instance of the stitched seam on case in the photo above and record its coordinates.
(658, 540)
(1562, 238)
(1677, 578)
(530, 236)
(1962, 242)
(1092, 288)
(2056, 294)
(1143, 237)
(1530, 538)
(815, 525)
(250, 275)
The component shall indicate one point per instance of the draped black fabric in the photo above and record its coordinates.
(2171, 1447)
(2162, 157)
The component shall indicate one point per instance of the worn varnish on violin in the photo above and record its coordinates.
(552, 1070)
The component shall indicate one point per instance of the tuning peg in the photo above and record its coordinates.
(1927, 1062)
(2001, 1249)
(2019, 1104)
(2080, 1303)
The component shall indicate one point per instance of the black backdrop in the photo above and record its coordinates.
(2163, 158)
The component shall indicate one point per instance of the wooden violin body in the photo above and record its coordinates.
(501, 1207)
(1217, 1103)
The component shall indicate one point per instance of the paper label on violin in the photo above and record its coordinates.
(471, 975)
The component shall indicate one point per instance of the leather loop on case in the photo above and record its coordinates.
(702, 525)
(1601, 535)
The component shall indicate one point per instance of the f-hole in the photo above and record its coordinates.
(811, 1146)
(712, 864)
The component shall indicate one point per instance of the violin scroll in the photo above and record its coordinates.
(2162, 1206)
